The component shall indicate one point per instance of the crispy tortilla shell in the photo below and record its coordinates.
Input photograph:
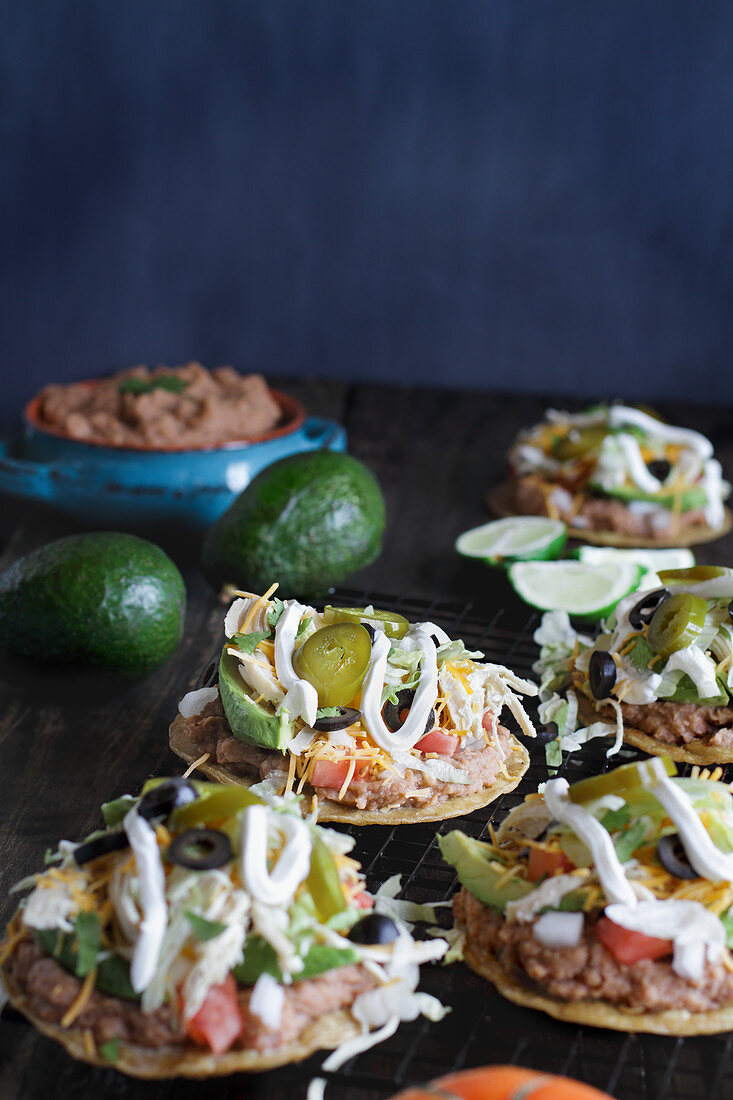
(692, 752)
(596, 1013)
(326, 1033)
(517, 763)
(500, 501)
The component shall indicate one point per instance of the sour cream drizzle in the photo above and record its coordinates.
(619, 415)
(637, 467)
(616, 886)
(151, 891)
(703, 854)
(413, 727)
(275, 887)
(301, 698)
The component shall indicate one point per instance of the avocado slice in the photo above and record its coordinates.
(471, 860)
(249, 720)
(690, 499)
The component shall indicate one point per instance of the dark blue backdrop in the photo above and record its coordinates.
(531, 194)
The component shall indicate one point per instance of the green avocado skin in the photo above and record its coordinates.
(103, 600)
(307, 521)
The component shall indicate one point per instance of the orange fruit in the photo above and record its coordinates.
(502, 1083)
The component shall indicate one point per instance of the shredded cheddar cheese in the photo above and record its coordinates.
(81, 1001)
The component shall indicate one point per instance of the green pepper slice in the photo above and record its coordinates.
(335, 660)
(676, 623)
(620, 781)
(393, 624)
(694, 575)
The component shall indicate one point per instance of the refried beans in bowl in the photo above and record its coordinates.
(164, 408)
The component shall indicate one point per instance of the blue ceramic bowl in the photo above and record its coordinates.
(126, 486)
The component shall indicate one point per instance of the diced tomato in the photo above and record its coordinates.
(438, 741)
(332, 773)
(218, 1022)
(543, 863)
(490, 721)
(629, 946)
(363, 900)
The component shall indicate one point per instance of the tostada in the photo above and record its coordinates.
(379, 720)
(619, 475)
(660, 674)
(206, 932)
(607, 902)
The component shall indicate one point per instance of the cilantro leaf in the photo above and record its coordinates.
(641, 653)
(88, 936)
(328, 712)
(249, 642)
(110, 1050)
(204, 929)
(170, 382)
(303, 625)
(616, 819)
(275, 611)
(629, 840)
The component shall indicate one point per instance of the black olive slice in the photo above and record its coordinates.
(392, 712)
(641, 613)
(374, 928)
(115, 841)
(673, 857)
(201, 849)
(730, 610)
(161, 800)
(370, 631)
(545, 734)
(659, 468)
(601, 673)
(346, 717)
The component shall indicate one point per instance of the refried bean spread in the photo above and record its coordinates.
(164, 407)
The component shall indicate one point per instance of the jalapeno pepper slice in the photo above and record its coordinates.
(323, 882)
(335, 660)
(676, 623)
(393, 624)
(579, 441)
(694, 575)
(642, 773)
(214, 804)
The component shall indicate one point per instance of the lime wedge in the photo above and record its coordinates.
(517, 538)
(588, 591)
(651, 560)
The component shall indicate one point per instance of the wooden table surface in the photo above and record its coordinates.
(67, 745)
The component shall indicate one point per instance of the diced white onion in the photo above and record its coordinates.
(267, 1000)
(555, 929)
(194, 702)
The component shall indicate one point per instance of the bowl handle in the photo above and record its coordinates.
(320, 433)
(22, 478)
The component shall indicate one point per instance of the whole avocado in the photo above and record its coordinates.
(307, 521)
(103, 600)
